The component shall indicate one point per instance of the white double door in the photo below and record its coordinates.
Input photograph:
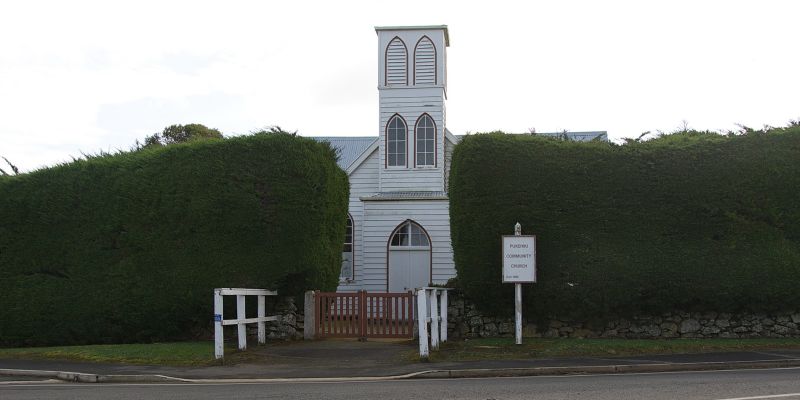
(409, 268)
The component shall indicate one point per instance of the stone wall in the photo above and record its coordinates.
(465, 321)
(289, 325)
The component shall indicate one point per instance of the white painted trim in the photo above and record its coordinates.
(431, 198)
(246, 292)
(449, 136)
(419, 87)
(418, 28)
(363, 157)
(249, 320)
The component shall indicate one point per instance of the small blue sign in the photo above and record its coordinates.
(217, 317)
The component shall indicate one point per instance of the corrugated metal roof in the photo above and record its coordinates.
(384, 196)
(578, 136)
(349, 148)
(586, 136)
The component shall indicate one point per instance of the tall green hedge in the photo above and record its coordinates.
(129, 247)
(689, 221)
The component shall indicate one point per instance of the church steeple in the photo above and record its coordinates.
(412, 85)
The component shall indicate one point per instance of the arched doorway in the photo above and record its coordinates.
(409, 258)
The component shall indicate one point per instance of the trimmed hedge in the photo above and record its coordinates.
(691, 221)
(129, 247)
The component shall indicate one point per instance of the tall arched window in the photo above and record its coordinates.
(425, 62)
(425, 134)
(396, 142)
(396, 63)
(347, 271)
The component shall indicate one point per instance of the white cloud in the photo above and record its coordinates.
(87, 75)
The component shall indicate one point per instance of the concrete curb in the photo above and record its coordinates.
(607, 369)
(430, 374)
(89, 378)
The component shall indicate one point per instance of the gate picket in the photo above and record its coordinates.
(362, 314)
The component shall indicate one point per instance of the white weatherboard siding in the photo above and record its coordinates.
(383, 197)
(381, 219)
(411, 104)
(363, 182)
(410, 38)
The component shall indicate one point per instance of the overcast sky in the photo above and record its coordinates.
(81, 76)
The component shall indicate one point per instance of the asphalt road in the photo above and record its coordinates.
(741, 385)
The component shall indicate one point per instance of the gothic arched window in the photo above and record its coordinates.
(425, 134)
(396, 133)
(425, 62)
(347, 271)
(409, 234)
(396, 63)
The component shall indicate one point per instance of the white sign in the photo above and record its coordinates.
(519, 259)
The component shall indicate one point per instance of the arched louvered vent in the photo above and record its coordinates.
(425, 62)
(396, 63)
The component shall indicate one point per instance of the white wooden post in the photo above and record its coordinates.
(518, 312)
(262, 325)
(240, 315)
(434, 320)
(219, 345)
(240, 321)
(422, 317)
(443, 301)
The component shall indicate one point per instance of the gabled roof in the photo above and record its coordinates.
(349, 148)
(352, 149)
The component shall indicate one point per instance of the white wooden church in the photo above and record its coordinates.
(398, 223)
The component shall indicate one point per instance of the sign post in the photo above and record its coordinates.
(519, 266)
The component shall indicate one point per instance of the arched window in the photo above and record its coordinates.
(425, 134)
(425, 62)
(409, 234)
(396, 63)
(347, 271)
(396, 142)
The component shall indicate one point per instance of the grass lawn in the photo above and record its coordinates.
(504, 348)
(179, 353)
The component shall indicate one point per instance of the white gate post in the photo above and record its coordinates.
(241, 325)
(422, 317)
(443, 300)
(219, 345)
(262, 325)
(434, 320)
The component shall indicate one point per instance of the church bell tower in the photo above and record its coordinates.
(412, 87)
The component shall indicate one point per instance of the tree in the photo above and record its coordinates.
(14, 168)
(273, 130)
(182, 134)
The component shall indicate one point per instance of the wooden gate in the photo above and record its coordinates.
(364, 315)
